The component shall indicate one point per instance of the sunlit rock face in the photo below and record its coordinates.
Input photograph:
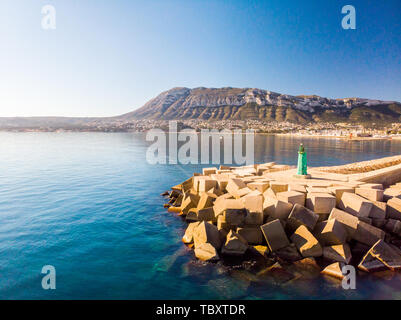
(245, 103)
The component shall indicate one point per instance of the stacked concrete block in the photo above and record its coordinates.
(232, 209)
(355, 205)
(292, 197)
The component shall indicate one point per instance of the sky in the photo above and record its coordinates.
(107, 58)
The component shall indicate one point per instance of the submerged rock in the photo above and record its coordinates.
(206, 252)
(289, 253)
(276, 273)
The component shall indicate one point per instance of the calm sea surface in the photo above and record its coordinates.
(90, 205)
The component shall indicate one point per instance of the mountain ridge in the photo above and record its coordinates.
(228, 103)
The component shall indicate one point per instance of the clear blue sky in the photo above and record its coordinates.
(108, 57)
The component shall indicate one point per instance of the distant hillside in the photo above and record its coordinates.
(225, 104)
(242, 104)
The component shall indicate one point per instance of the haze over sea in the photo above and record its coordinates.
(89, 204)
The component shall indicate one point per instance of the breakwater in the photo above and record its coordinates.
(289, 226)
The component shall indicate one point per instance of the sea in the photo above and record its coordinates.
(90, 205)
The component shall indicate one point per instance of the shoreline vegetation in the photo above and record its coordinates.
(266, 219)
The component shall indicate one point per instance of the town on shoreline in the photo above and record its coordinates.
(352, 131)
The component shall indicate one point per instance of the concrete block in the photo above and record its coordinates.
(192, 215)
(321, 203)
(397, 185)
(292, 197)
(196, 180)
(222, 224)
(260, 186)
(243, 192)
(365, 219)
(206, 252)
(174, 209)
(275, 235)
(340, 253)
(206, 214)
(323, 217)
(252, 235)
(369, 263)
(206, 184)
(393, 226)
(222, 204)
(391, 193)
(188, 236)
(276, 209)
(254, 208)
(187, 184)
(338, 191)
(370, 194)
(262, 250)
(235, 244)
(207, 233)
(386, 254)
(254, 218)
(209, 171)
(297, 188)
(367, 234)
(332, 233)
(378, 210)
(349, 222)
(222, 180)
(372, 186)
(235, 217)
(278, 186)
(301, 216)
(319, 184)
(355, 205)
(334, 270)
(306, 243)
(307, 267)
(289, 253)
(234, 185)
(189, 201)
(379, 223)
(269, 194)
(317, 190)
(394, 209)
(206, 200)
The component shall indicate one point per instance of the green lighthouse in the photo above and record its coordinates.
(302, 161)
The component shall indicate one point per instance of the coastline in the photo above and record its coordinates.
(296, 135)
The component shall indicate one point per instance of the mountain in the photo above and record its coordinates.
(241, 104)
(225, 104)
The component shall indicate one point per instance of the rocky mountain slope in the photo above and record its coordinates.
(242, 104)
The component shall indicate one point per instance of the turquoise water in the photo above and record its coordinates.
(90, 205)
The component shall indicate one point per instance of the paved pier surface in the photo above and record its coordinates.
(386, 171)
